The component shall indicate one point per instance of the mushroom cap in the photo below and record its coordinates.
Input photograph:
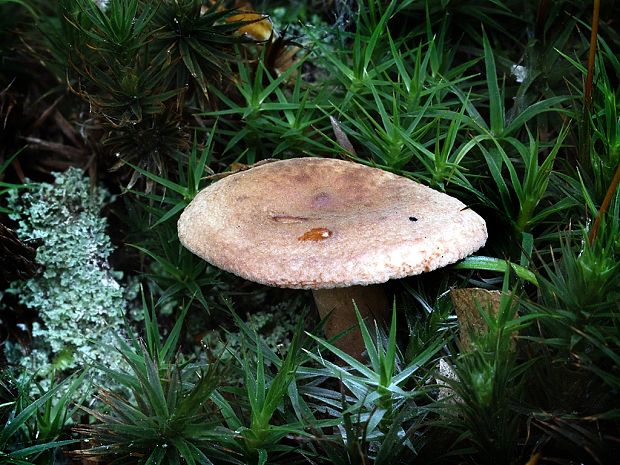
(311, 223)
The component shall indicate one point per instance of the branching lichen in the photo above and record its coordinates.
(78, 298)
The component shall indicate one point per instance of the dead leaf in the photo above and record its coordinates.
(238, 167)
(341, 137)
(466, 303)
(259, 27)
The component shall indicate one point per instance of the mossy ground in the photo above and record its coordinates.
(488, 101)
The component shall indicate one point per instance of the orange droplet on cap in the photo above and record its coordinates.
(316, 234)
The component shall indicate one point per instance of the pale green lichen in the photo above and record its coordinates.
(78, 298)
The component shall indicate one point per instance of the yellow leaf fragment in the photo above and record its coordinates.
(260, 29)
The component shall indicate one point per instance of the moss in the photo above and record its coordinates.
(275, 327)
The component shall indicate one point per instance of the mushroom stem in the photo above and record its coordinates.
(337, 304)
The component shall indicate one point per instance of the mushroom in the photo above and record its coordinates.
(333, 226)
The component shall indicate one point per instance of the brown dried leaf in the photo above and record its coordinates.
(236, 168)
(341, 137)
(466, 303)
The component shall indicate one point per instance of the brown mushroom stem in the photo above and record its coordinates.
(337, 304)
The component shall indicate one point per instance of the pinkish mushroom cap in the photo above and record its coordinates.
(313, 223)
